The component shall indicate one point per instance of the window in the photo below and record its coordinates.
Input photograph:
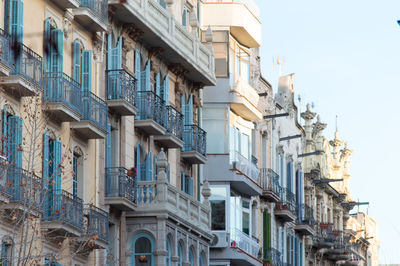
(13, 19)
(246, 216)
(191, 257)
(184, 17)
(242, 62)
(12, 138)
(169, 252)
(202, 260)
(218, 207)
(6, 253)
(75, 175)
(245, 145)
(187, 184)
(162, 3)
(180, 253)
(82, 66)
(289, 176)
(53, 39)
(143, 248)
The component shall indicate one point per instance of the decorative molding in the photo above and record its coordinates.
(68, 18)
(132, 31)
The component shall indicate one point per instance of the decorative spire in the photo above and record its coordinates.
(318, 126)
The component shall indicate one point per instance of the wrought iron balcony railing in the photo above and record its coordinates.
(63, 207)
(94, 110)
(245, 242)
(60, 88)
(273, 256)
(120, 184)
(243, 165)
(24, 187)
(288, 201)
(270, 181)
(151, 107)
(97, 223)
(174, 122)
(6, 55)
(195, 139)
(27, 63)
(121, 86)
(98, 7)
(305, 215)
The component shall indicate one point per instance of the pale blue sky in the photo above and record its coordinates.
(346, 56)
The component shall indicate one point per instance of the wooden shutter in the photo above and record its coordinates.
(14, 154)
(48, 46)
(149, 166)
(158, 89)
(86, 70)
(57, 164)
(7, 16)
(16, 21)
(4, 132)
(138, 166)
(45, 170)
(165, 94)
(137, 69)
(57, 53)
(109, 52)
(190, 110)
(190, 186)
(183, 182)
(145, 78)
(20, 26)
(108, 146)
(76, 61)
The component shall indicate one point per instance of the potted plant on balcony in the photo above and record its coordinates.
(132, 172)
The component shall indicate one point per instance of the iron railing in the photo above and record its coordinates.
(98, 7)
(245, 242)
(243, 165)
(24, 187)
(270, 181)
(174, 122)
(305, 215)
(27, 63)
(6, 55)
(120, 184)
(95, 110)
(62, 206)
(121, 86)
(195, 139)
(60, 88)
(288, 201)
(151, 107)
(97, 222)
(273, 256)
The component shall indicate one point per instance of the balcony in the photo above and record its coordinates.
(62, 96)
(93, 124)
(240, 17)
(63, 214)
(236, 169)
(25, 77)
(178, 205)
(6, 55)
(121, 87)
(120, 189)
(270, 185)
(151, 116)
(195, 143)
(173, 137)
(244, 100)
(286, 208)
(245, 242)
(162, 30)
(4, 169)
(324, 237)
(92, 14)
(26, 192)
(272, 256)
(97, 224)
(305, 223)
(64, 4)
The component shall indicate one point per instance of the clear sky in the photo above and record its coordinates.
(346, 56)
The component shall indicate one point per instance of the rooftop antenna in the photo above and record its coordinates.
(336, 123)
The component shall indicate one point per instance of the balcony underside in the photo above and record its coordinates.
(92, 242)
(5, 70)
(193, 157)
(157, 32)
(151, 127)
(120, 203)
(235, 255)
(88, 130)
(121, 107)
(21, 208)
(244, 108)
(304, 229)
(67, 3)
(322, 244)
(61, 228)
(18, 85)
(169, 140)
(337, 257)
(90, 21)
(285, 215)
(270, 196)
(62, 112)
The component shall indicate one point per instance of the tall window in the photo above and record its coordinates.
(143, 250)
(13, 19)
(53, 39)
(75, 175)
(169, 252)
(6, 253)
(184, 17)
(11, 138)
(180, 253)
(246, 216)
(218, 207)
(191, 257)
(82, 66)
(242, 64)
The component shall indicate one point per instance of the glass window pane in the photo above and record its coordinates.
(143, 245)
(245, 222)
(244, 149)
(217, 214)
(218, 192)
(245, 71)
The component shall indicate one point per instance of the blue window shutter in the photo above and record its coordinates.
(146, 77)
(75, 175)
(86, 70)
(7, 16)
(4, 132)
(14, 154)
(184, 17)
(190, 186)
(45, 170)
(56, 53)
(138, 162)
(183, 106)
(158, 89)
(165, 95)
(109, 52)
(118, 60)
(108, 146)
(47, 37)
(183, 182)
(190, 107)
(162, 3)
(20, 29)
(57, 165)
(149, 167)
(16, 21)
(76, 75)
(137, 69)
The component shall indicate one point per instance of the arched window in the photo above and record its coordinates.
(184, 17)
(180, 254)
(169, 250)
(202, 260)
(143, 247)
(191, 257)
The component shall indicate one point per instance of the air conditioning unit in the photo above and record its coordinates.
(221, 240)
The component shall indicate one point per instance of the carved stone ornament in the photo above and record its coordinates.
(318, 126)
(178, 70)
(198, 85)
(132, 31)
(308, 115)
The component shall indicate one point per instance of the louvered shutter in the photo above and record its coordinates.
(109, 52)
(190, 189)
(45, 170)
(4, 136)
(138, 166)
(16, 21)
(57, 52)
(86, 70)
(57, 164)
(183, 107)
(158, 89)
(118, 55)
(76, 75)
(108, 146)
(183, 182)
(7, 16)
(137, 69)
(48, 46)
(145, 76)
(190, 110)
(20, 29)
(149, 166)
(14, 154)
(165, 94)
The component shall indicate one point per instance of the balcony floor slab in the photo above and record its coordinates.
(121, 203)
(5, 70)
(91, 22)
(235, 255)
(285, 215)
(270, 196)
(61, 228)
(169, 140)
(121, 107)
(151, 127)
(88, 130)
(62, 112)
(18, 85)
(193, 157)
(67, 3)
(304, 229)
